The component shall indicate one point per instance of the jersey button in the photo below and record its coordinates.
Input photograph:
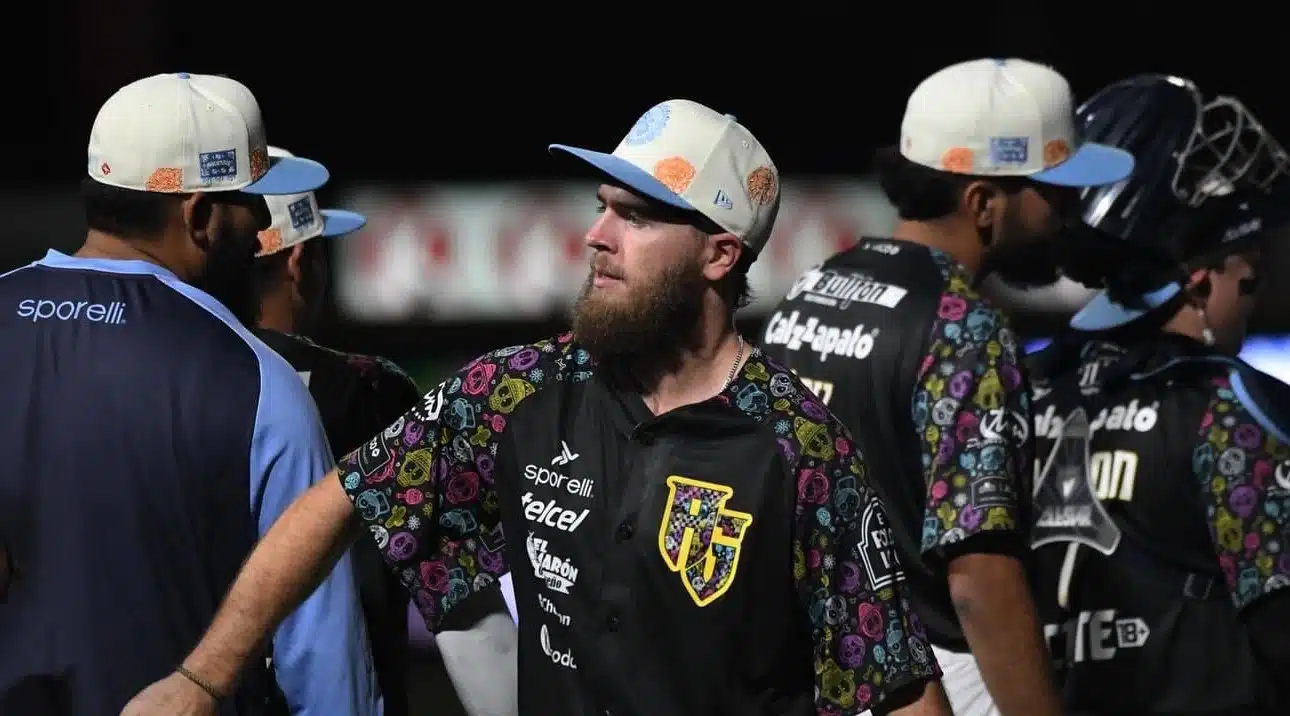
(612, 622)
(626, 530)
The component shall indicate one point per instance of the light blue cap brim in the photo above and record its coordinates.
(290, 175)
(1103, 314)
(627, 174)
(1091, 166)
(338, 222)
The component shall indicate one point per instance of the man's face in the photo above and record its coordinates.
(1231, 300)
(233, 226)
(1024, 233)
(645, 290)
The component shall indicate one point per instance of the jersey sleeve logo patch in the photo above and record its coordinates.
(700, 539)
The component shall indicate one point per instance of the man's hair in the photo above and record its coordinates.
(920, 193)
(126, 213)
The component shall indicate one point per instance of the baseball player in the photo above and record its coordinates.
(1161, 489)
(358, 395)
(690, 531)
(150, 438)
(894, 338)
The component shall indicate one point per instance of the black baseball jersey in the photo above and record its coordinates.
(724, 558)
(1162, 497)
(925, 374)
(357, 395)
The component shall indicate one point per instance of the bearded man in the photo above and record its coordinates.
(688, 528)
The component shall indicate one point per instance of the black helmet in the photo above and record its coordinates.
(1187, 151)
(1202, 183)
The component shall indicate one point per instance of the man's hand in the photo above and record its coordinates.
(172, 696)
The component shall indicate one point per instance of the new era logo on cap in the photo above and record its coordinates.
(1005, 118)
(179, 133)
(296, 218)
(691, 157)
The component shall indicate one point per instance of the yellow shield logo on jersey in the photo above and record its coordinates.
(699, 538)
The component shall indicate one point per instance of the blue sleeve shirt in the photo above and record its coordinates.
(154, 441)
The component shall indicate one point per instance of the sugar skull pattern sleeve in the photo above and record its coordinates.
(971, 408)
(1243, 473)
(424, 487)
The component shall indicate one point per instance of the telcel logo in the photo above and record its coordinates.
(38, 309)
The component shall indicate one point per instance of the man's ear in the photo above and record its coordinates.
(1198, 285)
(979, 201)
(724, 251)
(294, 261)
(197, 209)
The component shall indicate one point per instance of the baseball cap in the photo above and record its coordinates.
(181, 132)
(694, 158)
(297, 218)
(1005, 117)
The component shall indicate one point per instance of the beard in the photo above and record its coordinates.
(650, 326)
(1023, 257)
(227, 275)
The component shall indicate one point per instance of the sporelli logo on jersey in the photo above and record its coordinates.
(36, 310)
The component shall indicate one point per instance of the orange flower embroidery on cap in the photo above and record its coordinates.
(1056, 151)
(165, 180)
(270, 241)
(675, 173)
(762, 186)
(958, 160)
(259, 162)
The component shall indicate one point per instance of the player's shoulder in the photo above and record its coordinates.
(967, 319)
(500, 380)
(1249, 408)
(804, 429)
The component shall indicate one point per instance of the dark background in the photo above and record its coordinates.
(411, 94)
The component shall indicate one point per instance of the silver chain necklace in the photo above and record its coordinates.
(734, 369)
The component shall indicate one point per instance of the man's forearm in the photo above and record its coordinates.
(995, 608)
(285, 567)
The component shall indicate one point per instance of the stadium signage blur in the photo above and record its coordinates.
(512, 252)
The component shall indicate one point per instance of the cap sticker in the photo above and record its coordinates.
(165, 179)
(958, 160)
(649, 126)
(217, 166)
(259, 162)
(301, 212)
(270, 241)
(1056, 151)
(1009, 150)
(762, 185)
(675, 173)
